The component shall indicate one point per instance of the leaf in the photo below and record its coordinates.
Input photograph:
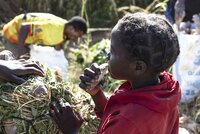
(34, 111)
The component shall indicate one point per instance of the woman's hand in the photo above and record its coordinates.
(12, 70)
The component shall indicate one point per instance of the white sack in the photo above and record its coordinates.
(51, 58)
(187, 67)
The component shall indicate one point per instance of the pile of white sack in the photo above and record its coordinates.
(51, 58)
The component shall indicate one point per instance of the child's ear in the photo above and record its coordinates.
(140, 67)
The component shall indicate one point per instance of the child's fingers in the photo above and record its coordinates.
(84, 86)
(88, 83)
(90, 73)
(95, 68)
(86, 79)
(89, 80)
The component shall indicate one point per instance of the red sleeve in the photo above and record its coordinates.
(98, 114)
(119, 125)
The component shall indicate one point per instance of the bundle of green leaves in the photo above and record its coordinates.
(25, 107)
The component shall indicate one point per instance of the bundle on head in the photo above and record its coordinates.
(25, 108)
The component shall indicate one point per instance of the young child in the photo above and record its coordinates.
(142, 47)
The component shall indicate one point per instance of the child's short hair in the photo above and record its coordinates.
(78, 23)
(149, 37)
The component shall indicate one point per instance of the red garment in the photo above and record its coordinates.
(149, 110)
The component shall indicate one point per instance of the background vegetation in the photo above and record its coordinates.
(99, 13)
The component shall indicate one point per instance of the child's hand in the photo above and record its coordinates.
(92, 77)
(67, 121)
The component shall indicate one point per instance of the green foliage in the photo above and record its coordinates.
(161, 6)
(121, 3)
(110, 84)
(20, 106)
(102, 13)
(143, 3)
(98, 13)
(157, 6)
(99, 51)
(79, 57)
(96, 53)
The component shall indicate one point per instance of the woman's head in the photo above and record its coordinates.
(150, 38)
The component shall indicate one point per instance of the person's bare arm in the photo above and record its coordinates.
(100, 101)
(98, 97)
(22, 35)
(59, 46)
(180, 5)
(179, 11)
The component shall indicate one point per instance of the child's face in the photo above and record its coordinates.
(119, 61)
(122, 66)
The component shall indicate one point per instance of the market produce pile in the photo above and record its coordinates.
(26, 106)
